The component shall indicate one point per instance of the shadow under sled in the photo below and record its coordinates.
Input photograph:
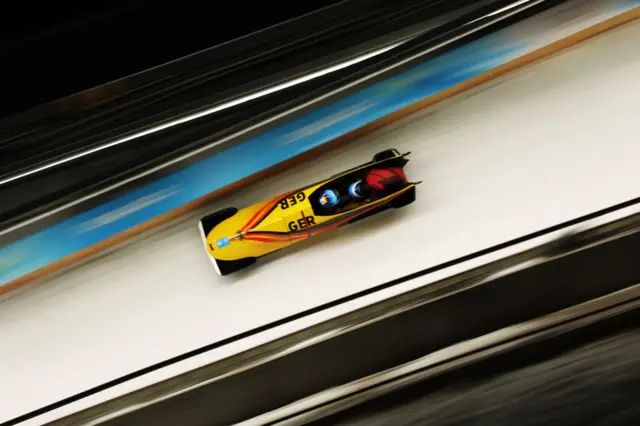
(206, 225)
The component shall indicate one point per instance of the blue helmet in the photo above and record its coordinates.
(329, 198)
(355, 189)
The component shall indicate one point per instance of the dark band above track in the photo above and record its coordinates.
(65, 184)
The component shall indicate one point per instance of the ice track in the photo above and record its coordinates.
(552, 142)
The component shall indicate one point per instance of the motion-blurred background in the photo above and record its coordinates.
(507, 294)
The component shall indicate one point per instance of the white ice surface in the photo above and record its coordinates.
(556, 141)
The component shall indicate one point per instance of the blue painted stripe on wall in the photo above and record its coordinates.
(268, 149)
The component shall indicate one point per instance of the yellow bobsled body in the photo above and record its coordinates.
(236, 238)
